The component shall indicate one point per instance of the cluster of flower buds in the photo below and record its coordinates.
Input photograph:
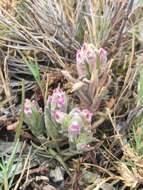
(31, 107)
(87, 58)
(57, 104)
(58, 100)
(75, 125)
(33, 117)
(79, 128)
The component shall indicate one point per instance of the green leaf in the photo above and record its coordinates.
(35, 70)
(52, 128)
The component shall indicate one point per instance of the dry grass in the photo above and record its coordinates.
(49, 33)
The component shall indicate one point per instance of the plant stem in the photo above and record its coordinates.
(6, 186)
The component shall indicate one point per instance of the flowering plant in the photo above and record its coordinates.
(59, 123)
(93, 71)
(79, 128)
(88, 59)
(33, 117)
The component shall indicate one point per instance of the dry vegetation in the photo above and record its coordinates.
(38, 44)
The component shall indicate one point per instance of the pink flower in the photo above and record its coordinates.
(31, 106)
(85, 58)
(57, 90)
(27, 107)
(58, 100)
(59, 116)
(74, 129)
(102, 55)
(88, 115)
(27, 111)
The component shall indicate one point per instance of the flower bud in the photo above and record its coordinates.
(31, 106)
(57, 101)
(27, 107)
(79, 128)
(84, 114)
(59, 116)
(87, 114)
(33, 117)
(74, 129)
(86, 60)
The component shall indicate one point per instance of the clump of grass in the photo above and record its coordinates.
(130, 167)
(8, 168)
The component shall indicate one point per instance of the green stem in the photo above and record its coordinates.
(6, 186)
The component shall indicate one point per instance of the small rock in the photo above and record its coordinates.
(57, 174)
